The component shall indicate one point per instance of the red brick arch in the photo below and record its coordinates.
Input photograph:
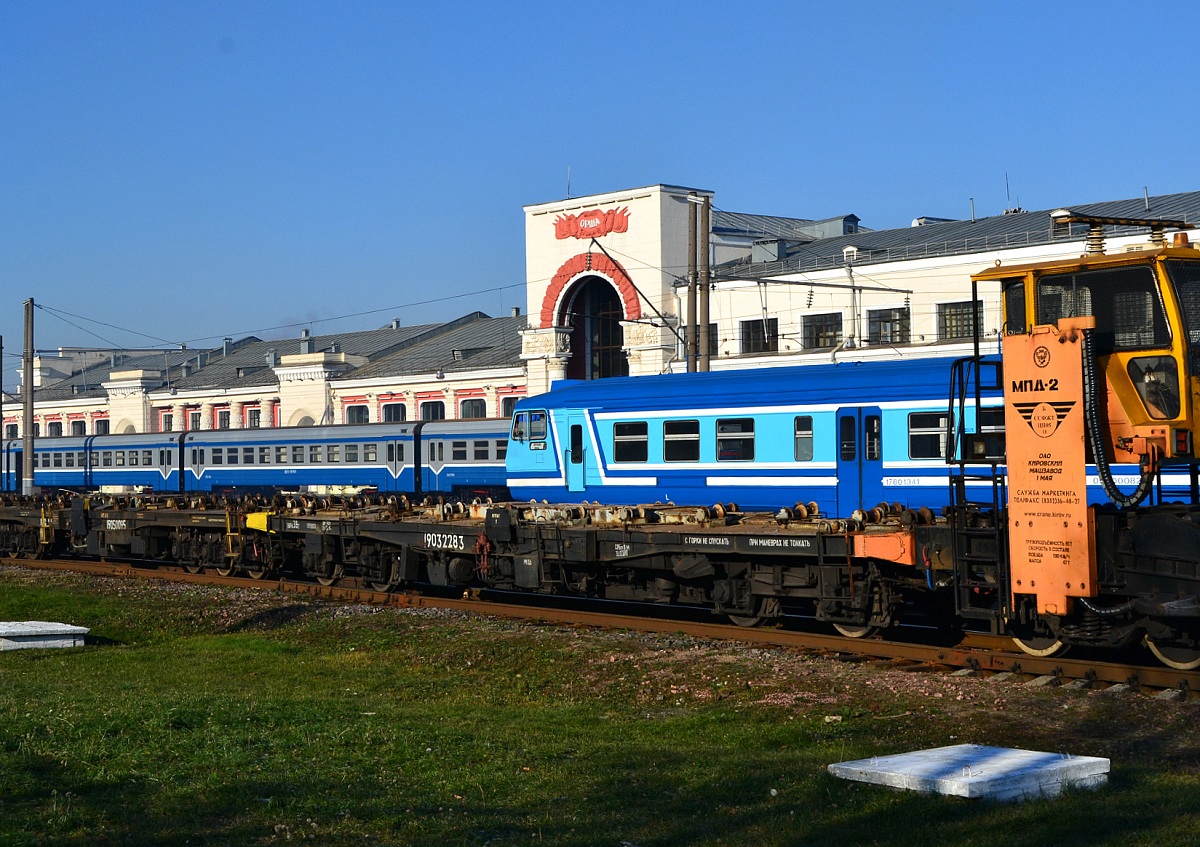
(596, 264)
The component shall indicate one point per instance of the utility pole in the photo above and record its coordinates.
(705, 273)
(689, 341)
(27, 398)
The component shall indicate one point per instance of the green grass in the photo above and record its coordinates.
(209, 719)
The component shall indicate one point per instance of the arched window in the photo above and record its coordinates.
(473, 408)
(433, 410)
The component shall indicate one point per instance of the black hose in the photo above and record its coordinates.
(1091, 412)
(1103, 612)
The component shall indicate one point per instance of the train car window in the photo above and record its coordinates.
(804, 438)
(281, 455)
(529, 426)
(1126, 303)
(247, 455)
(82, 458)
(437, 451)
(576, 447)
(369, 453)
(847, 439)
(106, 459)
(314, 454)
(297, 455)
(927, 435)
(118, 458)
(1014, 306)
(231, 456)
(631, 441)
(872, 438)
(45, 459)
(264, 455)
(735, 440)
(218, 457)
(69, 459)
(681, 441)
(458, 451)
(133, 459)
(501, 450)
(482, 453)
(351, 454)
(333, 453)
(58, 460)
(147, 458)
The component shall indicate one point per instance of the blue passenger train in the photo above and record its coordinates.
(463, 458)
(846, 436)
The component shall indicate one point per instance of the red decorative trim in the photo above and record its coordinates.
(596, 264)
(593, 223)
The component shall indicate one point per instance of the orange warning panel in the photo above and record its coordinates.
(1051, 543)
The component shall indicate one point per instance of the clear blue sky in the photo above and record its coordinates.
(190, 170)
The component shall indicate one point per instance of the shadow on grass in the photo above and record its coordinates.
(272, 618)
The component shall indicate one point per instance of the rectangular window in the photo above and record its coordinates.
(631, 441)
(69, 459)
(529, 426)
(872, 438)
(394, 412)
(106, 459)
(222, 419)
(193, 420)
(358, 414)
(314, 454)
(54, 429)
(735, 440)
(804, 438)
(10, 431)
(956, 320)
(433, 410)
(247, 455)
(100, 427)
(501, 450)
(369, 453)
(927, 435)
(887, 326)
(847, 439)
(133, 459)
(1014, 306)
(760, 336)
(253, 418)
(281, 454)
(58, 460)
(297, 455)
(118, 457)
(437, 451)
(458, 451)
(352, 454)
(166, 458)
(333, 453)
(482, 453)
(821, 331)
(147, 458)
(231, 455)
(507, 405)
(78, 427)
(218, 456)
(264, 455)
(45, 459)
(168, 423)
(474, 408)
(681, 441)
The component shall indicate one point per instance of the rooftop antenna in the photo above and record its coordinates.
(1146, 196)
(1007, 193)
(568, 182)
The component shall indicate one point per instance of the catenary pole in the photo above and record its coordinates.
(689, 343)
(27, 400)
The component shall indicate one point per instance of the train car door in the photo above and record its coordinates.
(191, 481)
(395, 454)
(859, 458)
(573, 456)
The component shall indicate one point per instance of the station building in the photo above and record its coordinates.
(606, 295)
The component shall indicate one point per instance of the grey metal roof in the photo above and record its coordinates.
(482, 342)
(89, 382)
(1017, 229)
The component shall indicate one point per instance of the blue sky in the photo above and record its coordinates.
(194, 170)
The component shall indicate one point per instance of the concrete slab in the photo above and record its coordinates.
(23, 635)
(973, 770)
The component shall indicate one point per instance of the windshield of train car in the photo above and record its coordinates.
(1186, 278)
(529, 426)
(1125, 301)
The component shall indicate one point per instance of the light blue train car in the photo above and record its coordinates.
(846, 436)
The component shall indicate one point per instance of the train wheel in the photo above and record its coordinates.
(256, 573)
(327, 580)
(1041, 646)
(194, 567)
(855, 631)
(1178, 656)
(746, 620)
(226, 571)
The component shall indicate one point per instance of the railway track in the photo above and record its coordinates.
(976, 652)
